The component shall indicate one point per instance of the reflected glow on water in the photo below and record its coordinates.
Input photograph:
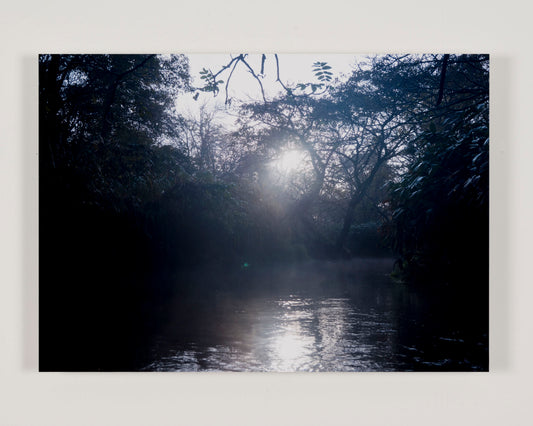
(290, 334)
(292, 348)
(290, 351)
(369, 324)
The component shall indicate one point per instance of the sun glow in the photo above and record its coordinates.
(289, 161)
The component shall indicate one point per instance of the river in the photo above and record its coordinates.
(315, 316)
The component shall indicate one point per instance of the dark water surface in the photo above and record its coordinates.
(315, 317)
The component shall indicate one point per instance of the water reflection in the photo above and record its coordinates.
(370, 326)
(288, 334)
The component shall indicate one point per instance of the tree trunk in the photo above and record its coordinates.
(356, 198)
(348, 220)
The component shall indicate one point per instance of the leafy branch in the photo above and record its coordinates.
(211, 83)
(323, 74)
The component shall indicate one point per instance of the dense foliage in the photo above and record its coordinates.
(440, 216)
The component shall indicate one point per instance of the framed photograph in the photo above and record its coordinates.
(263, 212)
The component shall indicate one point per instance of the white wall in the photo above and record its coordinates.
(502, 396)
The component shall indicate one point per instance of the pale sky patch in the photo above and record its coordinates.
(294, 68)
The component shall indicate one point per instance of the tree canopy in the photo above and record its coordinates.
(378, 150)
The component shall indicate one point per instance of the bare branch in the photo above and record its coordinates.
(263, 58)
(278, 79)
(254, 75)
(227, 82)
(225, 67)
